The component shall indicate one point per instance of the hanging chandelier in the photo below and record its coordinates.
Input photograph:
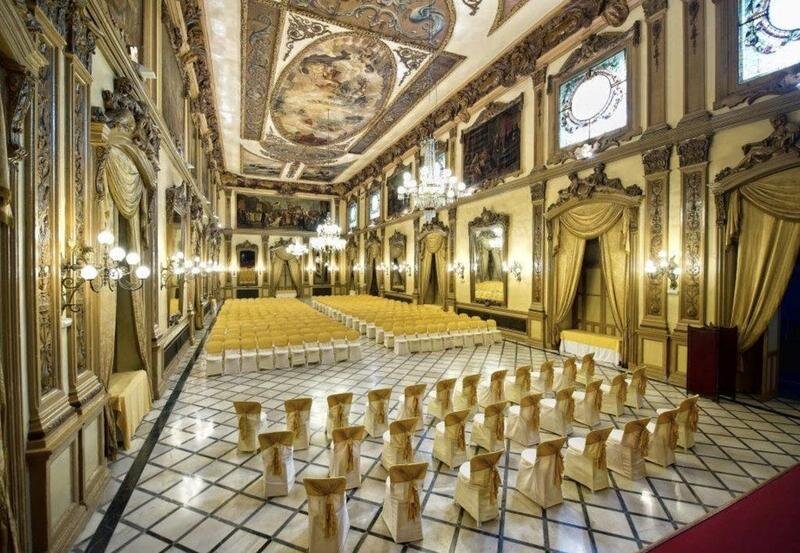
(297, 249)
(328, 238)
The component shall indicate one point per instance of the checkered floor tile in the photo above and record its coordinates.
(197, 493)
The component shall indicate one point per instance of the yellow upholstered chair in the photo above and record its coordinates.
(626, 449)
(522, 425)
(587, 404)
(557, 413)
(449, 441)
(489, 428)
(614, 396)
(540, 472)
(686, 421)
(443, 402)
(586, 459)
(477, 486)
(338, 412)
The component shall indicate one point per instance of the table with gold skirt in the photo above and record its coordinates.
(130, 399)
(606, 348)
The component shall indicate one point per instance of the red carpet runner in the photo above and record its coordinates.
(766, 519)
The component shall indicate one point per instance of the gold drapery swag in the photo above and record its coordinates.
(283, 260)
(433, 246)
(764, 216)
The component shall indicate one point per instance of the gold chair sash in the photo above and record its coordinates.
(293, 421)
(558, 469)
(379, 411)
(644, 442)
(497, 390)
(569, 413)
(277, 458)
(413, 502)
(494, 485)
(524, 379)
(694, 417)
(331, 519)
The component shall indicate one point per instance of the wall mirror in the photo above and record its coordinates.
(177, 206)
(397, 262)
(488, 238)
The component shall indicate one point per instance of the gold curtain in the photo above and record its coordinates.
(283, 260)
(765, 216)
(568, 262)
(137, 296)
(614, 264)
(8, 525)
(433, 246)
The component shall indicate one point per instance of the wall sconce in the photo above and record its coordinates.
(662, 266)
(514, 268)
(116, 268)
(402, 267)
(358, 268)
(457, 268)
(380, 267)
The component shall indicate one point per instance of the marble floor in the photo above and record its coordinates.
(197, 493)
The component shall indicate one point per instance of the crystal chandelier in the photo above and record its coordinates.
(297, 249)
(437, 188)
(328, 238)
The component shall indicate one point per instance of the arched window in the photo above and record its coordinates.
(769, 37)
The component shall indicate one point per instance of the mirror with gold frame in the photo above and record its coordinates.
(488, 249)
(177, 205)
(397, 262)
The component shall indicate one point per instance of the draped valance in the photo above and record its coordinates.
(590, 220)
(777, 195)
(124, 183)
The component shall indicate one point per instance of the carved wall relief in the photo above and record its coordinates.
(537, 284)
(656, 164)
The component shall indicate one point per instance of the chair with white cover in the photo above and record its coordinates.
(686, 420)
(435, 335)
(540, 472)
(495, 335)
(313, 352)
(266, 355)
(637, 388)
(338, 412)
(411, 406)
(328, 522)
(277, 454)
(353, 346)
(346, 454)
(376, 417)
(443, 402)
(567, 375)
(489, 427)
(297, 351)
(449, 440)
(298, 413)
(388, 336)
(248, 415)
(402, 509)
(466, 396)
(281, 352)
(614, 396)
(586, 459)
(249, 355)
(214, 356)
(340, 346)
(495, 392)
(520, 386)
(326, 356)
(626, 449)
(233, 357)
(542, 380)
(397, 448)
(522, 425)
(586, 372)
(587, 404)
(478, 485)
(663, 438)
(556, 413)
(400, 338)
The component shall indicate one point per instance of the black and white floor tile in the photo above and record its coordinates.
(197, 493)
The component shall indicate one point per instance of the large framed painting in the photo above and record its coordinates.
(128, 18)
(352, 215)
(492, 146)
(280, 212)
(396, 205)
(173, 105)
(374, 205)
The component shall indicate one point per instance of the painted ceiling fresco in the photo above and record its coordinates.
(309, 89)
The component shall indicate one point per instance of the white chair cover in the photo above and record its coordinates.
(494, 392)
(397, 447)
(556, 414)
(298, 412)
(249, 360)
(637, 388)
(686, 421)
(489, 428)
(354, 349)
(338, 412)
(466, 397)
(248, 414)
(443, 402)
(542, 380)
(312, 352)
(232, 361)
(540, 471)
(614, 396)
(266, 358)
(402, 508)
(277, 454)
(520, 386)
(586, 372)
(477, 486)
(214, 364)
(522, 425)
(567, 376)
(626, 449)
(346, 454)
(587, 404)
(411, 406)
(586, 459)
(281, 354)
(663, 438)
(449, 441)
(376, 417)
(326, 356)
(328, 522)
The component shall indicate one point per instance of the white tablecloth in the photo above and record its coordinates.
(601, 355)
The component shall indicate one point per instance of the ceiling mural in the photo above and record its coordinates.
(307, 89)
(332, 89)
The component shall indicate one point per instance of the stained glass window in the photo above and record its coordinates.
(594, 102)
(769, 37)
(352, 215)
(375, 205)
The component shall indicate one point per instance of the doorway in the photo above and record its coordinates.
(432, 290)
(789, 338)
(591, 310)
(374, 289)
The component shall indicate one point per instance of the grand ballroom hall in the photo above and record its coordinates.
(441, 276)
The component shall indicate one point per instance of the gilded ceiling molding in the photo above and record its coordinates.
(411, 60)
(300, 29)
(517, 62)
(473, 5)
(232, 180)
(260, 25)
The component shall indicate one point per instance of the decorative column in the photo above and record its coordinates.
(266, 273)
(694, 61)
(536, 312)
(452, 213)
(539, 78)
(228, 209)
(656, 17)
(228, 253)
(653, 331)
(693, 155)
(415, 292)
